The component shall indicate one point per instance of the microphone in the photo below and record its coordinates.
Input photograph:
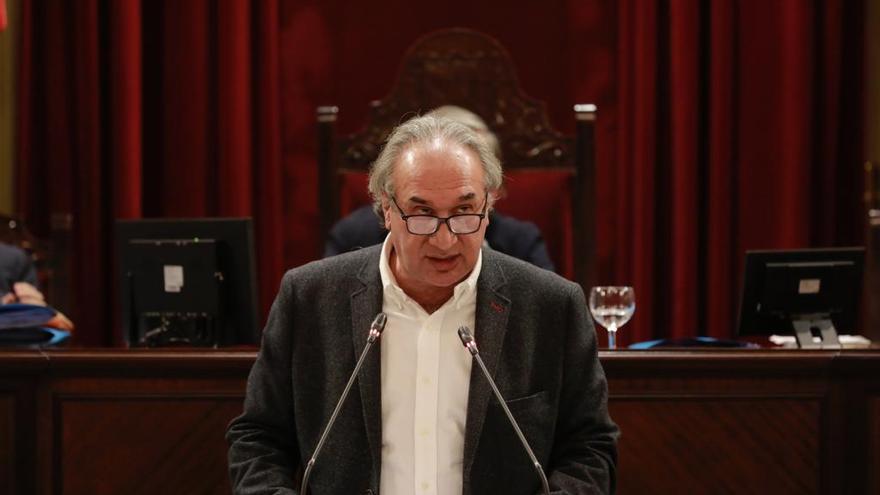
(375, 331)
(468, 340)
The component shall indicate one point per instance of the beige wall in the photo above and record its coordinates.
(7, 107)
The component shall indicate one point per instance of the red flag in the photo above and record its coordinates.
(3, 17)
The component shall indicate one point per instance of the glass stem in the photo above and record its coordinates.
(612, 336)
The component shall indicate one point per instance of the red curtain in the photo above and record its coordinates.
(740, 128)
(147, 109)
(3, 15)
(723, 126)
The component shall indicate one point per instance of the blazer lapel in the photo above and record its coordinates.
(366, 303)
(493, 308)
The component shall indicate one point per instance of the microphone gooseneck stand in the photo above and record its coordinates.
(375, 331)
(468, 340)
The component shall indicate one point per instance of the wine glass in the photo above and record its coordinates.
(612, 307)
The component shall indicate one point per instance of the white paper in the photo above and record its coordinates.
(855, 341)
(173, 278)
(809, 286)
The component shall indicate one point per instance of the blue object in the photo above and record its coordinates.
(32, 337)
(24, 315)
(23, 325)
(691, 342)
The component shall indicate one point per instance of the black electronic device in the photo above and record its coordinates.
(187, 281)
(808, 292)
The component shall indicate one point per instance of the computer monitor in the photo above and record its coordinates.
(810, 292)
(187, 281)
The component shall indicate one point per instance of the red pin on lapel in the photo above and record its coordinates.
(497, 307)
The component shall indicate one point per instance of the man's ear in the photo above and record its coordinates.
(493, 197)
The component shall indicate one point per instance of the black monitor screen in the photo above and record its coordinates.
(192, 278)
(782, 286)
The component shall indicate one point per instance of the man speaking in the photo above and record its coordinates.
(422, 418)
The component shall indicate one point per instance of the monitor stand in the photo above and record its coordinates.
(179, 329)
(805, 326)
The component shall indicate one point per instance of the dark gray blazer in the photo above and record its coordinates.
(533, 332)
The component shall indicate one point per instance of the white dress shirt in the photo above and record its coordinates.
(425, 381)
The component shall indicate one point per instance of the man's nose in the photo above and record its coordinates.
(443, 238)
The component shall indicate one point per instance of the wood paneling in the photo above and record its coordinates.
(750, 445)
(874, 445)
(134, 421)
(769, 421)
(153, 421)
(7, 443)
(96, 432)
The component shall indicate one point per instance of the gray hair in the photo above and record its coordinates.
(472, 120)
(423, 130)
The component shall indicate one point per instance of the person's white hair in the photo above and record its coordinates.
(425, 129)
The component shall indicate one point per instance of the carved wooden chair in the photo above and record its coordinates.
(549, 177)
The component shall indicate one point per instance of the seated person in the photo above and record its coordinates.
(18, 277)
(505, 234)
(523, 240)
(18, 283)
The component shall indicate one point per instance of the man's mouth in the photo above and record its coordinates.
(443, 262)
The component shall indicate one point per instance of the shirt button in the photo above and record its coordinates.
(425, 485)
(424, 432)
(426, 380)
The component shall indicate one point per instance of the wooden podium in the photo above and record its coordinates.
(118, 421)
(738, 421)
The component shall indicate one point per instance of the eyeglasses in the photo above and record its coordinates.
(466, 223)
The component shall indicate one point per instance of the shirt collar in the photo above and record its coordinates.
(461, 294)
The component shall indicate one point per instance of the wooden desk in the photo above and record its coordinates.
(148, 421)
(747, 421)
(118, 421)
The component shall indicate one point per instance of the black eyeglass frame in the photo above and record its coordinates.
(442, 220)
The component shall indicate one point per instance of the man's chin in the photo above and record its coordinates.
(446, 279)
